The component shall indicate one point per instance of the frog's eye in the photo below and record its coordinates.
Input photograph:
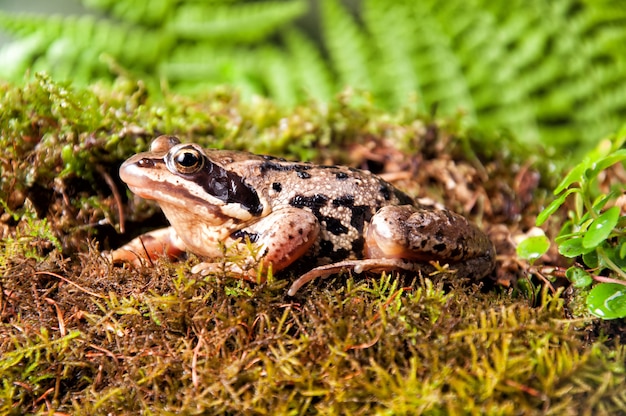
(188, 160)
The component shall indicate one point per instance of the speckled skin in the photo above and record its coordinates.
(337, 217)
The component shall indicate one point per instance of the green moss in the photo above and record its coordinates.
(82, 336)
(363, 348)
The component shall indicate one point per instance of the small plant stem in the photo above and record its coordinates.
(604, 279)
(611, 264)
(586, 201)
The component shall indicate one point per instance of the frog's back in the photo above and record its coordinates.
(342, 199)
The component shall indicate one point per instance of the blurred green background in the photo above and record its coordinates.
(550, 73)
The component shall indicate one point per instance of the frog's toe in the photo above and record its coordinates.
(322, 271)
(148, 247)
(124, 255)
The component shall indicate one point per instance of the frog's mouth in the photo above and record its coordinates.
(149, 178)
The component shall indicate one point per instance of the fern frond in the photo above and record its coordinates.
(440, 70)
(278, 76)
(395, 38)
(312, 75)
(240, 22)
(23, 24)
(149, 12)
(347, 46)
(493, 58)
(21, 55)
(205, 66)
(523, 65)
(75, 44)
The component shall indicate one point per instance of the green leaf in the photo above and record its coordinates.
(601, 200)
(573, 247)
(607, 301)
(620, 137)
(580, 278)
(574, 175)
(605, 162)
(591, 259)
(533, 247)
(600, 229)
(596, 161)
(609, 257)
(553, 206)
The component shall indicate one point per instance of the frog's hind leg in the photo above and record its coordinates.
(410, 239)
(466, 269)
(424, 234)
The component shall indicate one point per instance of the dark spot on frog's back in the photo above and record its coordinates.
(303, 175)
(343, 201)
(341, 175)
(268, 157)
(275, 165)
(334, 226)
(439, 247)
(327, 249)
(357, 246)
(314, 202)
(277, 187)
(385, 191)
(360, 215)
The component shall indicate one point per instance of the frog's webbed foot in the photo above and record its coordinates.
(358, 266)
(251, 274)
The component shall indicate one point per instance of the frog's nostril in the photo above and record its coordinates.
(145, 163)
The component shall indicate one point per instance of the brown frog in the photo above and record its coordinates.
(334, 217)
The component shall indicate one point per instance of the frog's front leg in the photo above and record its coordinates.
(281, 238)
(410, 238)
(163, 242)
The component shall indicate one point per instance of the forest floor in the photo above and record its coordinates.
(79, 335)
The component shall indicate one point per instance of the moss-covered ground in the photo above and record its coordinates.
(79, 335)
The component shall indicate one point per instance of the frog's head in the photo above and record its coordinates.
(181, 177)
